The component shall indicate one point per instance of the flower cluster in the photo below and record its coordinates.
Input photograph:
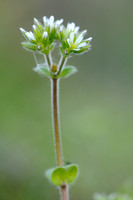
(44, 37)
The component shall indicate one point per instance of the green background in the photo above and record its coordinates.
(96, 104)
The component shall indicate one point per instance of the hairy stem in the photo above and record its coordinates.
(63, 60)
(55, 101)
(48, 58)
(64, 192)
(55, 83)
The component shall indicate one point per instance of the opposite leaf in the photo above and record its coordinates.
(67, 71)
(42, 69)
(72, 172)
(63, 175)
(59, 176)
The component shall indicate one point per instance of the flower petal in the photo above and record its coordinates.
(84, 32)
(79, 39)
(34, 27)
(81, 44)
(72, 26)
(68, 26)
(68, 41)
(30, 35)
(61, 28)
(45, 20)
(89, 39)
(22, 30)
(51, 21)
(59, 22)
(71, 37)
(45, 34)
(36, 21)
(76, 29)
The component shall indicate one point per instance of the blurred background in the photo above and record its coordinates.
(96, 104)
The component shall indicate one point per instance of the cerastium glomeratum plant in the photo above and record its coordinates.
(42, 40)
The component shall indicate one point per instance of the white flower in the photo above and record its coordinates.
(51, 23)
(76, 44)
(45, 34)
(58, 22)
(72, 27)
(30, 35)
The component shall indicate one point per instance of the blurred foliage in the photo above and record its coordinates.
(112, 197)
(96, 104)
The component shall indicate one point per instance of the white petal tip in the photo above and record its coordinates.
(44, 19)
(22, 30)
(45, 34)
(89, 39)
(35, 20)
(34, 27)
(84, 32)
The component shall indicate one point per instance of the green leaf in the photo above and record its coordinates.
(72, 172)
(67, 71)
(59, 176)
(63, 175)
(42, 69)
(29, 46)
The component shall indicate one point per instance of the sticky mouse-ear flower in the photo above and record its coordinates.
(43, 36)
(76, 44)
(72, 41)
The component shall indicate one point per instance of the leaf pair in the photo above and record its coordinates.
(43, 69)
(63, 175)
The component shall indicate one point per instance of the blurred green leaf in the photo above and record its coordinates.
(127, 186)
(113, 196)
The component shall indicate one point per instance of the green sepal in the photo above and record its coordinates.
(29, 46)
(42, 69)
(63, 175)
(67, 71)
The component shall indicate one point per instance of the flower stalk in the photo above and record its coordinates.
(57, 135)
(55, 106)
(62, 63)
(48, 60)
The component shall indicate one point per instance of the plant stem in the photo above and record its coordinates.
(48, 60)
(55, 104)
(64, 192)
(63, 60)
(56, 121)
